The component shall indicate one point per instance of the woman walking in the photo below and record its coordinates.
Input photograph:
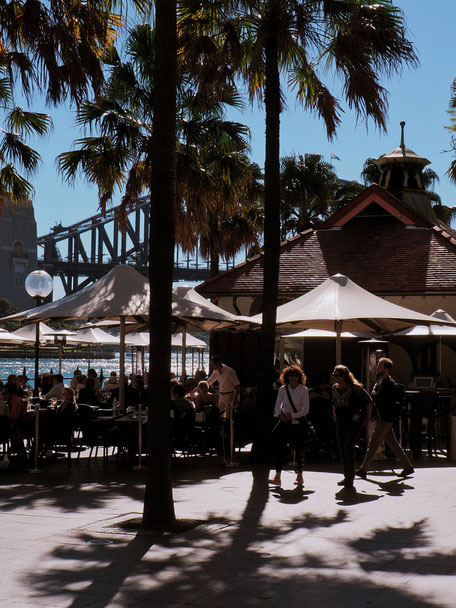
(352, 407)
(292, 403)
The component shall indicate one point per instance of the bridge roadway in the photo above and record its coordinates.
(95, 245)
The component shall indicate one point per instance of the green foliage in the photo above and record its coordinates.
(310, 192)
(216, 182)
(8, 308)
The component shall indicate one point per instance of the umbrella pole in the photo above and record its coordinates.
(439, 357)
(337, 325)
(122, 365)
(281, 351)
(60, 349)
(184, 354)
(139, 466)
(193, 361)
(37, 439)
(37, 358)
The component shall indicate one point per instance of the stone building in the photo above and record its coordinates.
(18, 255)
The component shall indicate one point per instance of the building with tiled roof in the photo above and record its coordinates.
(387, 239)
(393, 248)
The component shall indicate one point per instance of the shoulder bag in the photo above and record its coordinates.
(308, 431)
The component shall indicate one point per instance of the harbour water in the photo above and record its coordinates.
(132, 364)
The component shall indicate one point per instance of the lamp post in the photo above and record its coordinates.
(38, 285)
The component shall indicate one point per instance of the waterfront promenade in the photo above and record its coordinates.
(392, 543)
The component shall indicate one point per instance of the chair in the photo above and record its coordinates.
(424, 405)
(5, 431)
(97, 433)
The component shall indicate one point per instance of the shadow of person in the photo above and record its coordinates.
(291, 497)
(349, 496)
(395, 487)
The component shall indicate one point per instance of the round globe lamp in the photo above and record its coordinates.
(38, 285)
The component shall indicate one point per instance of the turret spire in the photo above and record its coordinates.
(402, 146)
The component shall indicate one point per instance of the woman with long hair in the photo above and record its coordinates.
(292, 403)
(352, 408)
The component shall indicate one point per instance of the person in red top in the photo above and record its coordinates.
(17, 411)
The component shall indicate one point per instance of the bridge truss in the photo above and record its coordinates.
(84, 252)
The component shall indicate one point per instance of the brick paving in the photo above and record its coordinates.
(391, 543)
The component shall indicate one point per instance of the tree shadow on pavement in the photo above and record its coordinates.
(250, 562)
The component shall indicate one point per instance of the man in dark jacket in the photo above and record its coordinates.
(385, 402)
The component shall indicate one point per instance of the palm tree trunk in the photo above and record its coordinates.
(271, 224)
(158, 499)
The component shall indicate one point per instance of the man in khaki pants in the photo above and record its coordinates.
(383, 396)
(229, 385)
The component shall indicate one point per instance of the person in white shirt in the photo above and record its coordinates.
(56, 390)
(292, 403)
(229, 385)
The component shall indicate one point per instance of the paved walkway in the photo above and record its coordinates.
(389, 544)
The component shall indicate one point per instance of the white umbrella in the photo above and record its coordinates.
(433, 330)
(191, 307)
(340, 304)
(93, 335)
(122, 294)
(28, 333)
(316, 333)
(8, 338)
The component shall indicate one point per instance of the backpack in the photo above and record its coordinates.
(399, 393)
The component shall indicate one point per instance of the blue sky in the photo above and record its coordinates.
(419, 97)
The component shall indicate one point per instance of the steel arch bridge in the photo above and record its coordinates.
(84, 252)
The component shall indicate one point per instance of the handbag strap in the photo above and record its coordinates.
(290, 399)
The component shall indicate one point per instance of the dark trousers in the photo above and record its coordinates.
(348, 432)
(288, 434)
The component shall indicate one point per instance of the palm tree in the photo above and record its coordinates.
(213, 177)
(64, 40)
(158, 499)
(262, 40)
(308, 189)
(19, 123)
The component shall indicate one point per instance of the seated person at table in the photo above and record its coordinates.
(74, 379)
(112, 382)
(46, 383)
(138, 384)
(88, 394)
(68, 405)
(18, 414)
(93, 374)
(131, 395)
(181, 405)
(81, 379)
(56, 390)
(184, 418)
(202, 397)
(21, 385)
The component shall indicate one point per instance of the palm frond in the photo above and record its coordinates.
(28, 122)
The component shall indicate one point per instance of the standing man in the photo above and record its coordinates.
(384, 398)
(229, 385)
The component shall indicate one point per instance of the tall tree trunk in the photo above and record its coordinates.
(158, 499)
(271, 226)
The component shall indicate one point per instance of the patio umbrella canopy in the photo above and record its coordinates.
(123, 295)
(28, 333)
(8, 338)
(92, 335)
(191, 307)
(438, 331)
(339, 304)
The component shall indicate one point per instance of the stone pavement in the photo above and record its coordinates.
(389, 544)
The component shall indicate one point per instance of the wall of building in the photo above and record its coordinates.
(18, 256)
